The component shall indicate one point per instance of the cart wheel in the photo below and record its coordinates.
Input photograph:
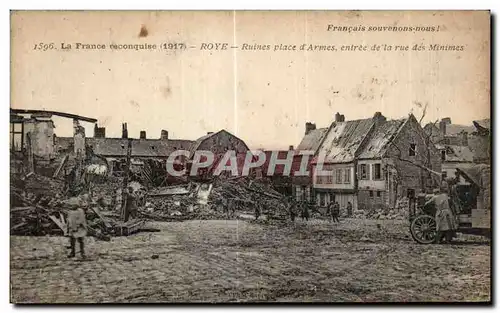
(423, 229)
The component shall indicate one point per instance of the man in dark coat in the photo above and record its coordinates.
(292, 209)
(225, 207)
(329, 211)
(336, 212)
(349, 209)
(258, 210)
(305, 211)
(445, 219)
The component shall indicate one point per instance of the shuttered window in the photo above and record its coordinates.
(347, 176)
(363, 172)
(338, 179)
(376, 170)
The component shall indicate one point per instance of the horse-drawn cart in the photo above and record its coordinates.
(470, 201)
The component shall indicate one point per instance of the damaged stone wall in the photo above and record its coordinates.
(79, 138)
(372, 199)
(42, 137)
(409, 153)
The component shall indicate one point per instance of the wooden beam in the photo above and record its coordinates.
(58, 170)
(61, 114)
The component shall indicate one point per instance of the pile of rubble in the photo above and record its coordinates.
(205, 200)
(36, 184)
(400, 212)
(168, 204)
(245, 194)
(40, 203)
(45, 215)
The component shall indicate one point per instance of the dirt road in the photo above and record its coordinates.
(219, 261)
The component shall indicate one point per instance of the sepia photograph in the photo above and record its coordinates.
(250, 157)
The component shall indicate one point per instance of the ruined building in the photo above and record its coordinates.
(218, 143)
(460, 145)
(372, 161)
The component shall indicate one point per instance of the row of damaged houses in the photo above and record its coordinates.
(373, 162)
(370, 163)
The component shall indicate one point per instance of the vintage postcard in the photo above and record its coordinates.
(250, 156)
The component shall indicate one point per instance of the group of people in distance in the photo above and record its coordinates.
(294, 208)
(302, 207)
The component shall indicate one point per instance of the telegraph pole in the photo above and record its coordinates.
(124, 213)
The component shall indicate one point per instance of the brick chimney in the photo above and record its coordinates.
(378, 119)
(309, 127)
(142, 134)
(164, 135)
(442, 127)
(338, 117)
(290, 147)
(447, 120)
(442, 124)
(124, 130)
(99, 132)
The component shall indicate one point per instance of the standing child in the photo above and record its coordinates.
(131, 205)
(77, 230)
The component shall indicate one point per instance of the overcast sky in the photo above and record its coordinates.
(263, 97)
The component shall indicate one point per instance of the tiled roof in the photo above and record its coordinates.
(343, 140)
(180, 144)
(140, 147)
(380, 139)
(118, 147)
(312, 140)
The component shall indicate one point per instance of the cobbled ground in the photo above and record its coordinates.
(241, 261)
